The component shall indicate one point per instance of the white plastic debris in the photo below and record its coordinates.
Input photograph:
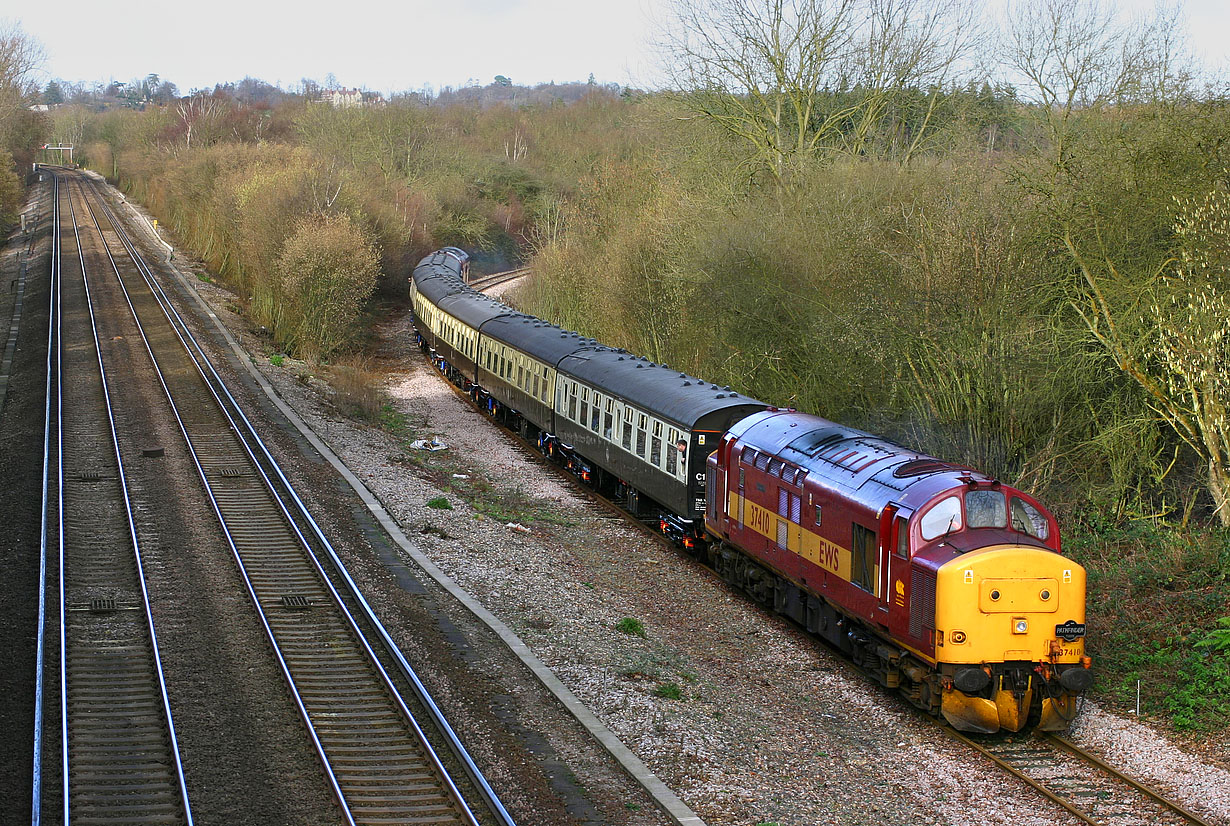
(429, 444)
(517, 526)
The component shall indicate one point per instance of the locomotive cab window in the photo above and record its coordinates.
(944, 517)
(1028, 519)
(986, 509)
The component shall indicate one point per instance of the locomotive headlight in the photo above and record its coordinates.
(1019, 626)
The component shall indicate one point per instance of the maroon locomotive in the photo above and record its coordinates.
(940, 580)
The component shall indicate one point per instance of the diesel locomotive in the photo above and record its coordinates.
(942, 582)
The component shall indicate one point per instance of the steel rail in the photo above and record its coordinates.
(172, 745)
(1017, 773)
(1064, 745)
(490, 798)
(179, 328)
(39, 676)
(1080, 753)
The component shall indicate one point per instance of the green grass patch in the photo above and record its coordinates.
(440, 504)
(277, 359)
(669, 691)
(631, 626)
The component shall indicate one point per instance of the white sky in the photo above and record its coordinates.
(395, 46)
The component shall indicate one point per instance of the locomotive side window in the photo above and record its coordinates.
(862, 561)
(944, 518)
(817, 515)
(986, 509)
(903, 537)
(1028, 519)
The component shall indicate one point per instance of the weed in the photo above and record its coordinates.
(434, 530)
(669, 691)
(356, 389)
(276, 359)
(439, 503)
(631, 626)
(633, 807)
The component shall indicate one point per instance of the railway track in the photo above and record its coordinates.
(119, 760)
(1080, 782)
(388, 754)
(495, 279)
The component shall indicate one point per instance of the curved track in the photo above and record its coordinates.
(359, 699)
(1080, 782)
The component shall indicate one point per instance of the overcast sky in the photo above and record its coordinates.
(394, 46)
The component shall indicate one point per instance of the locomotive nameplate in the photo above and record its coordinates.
(1070, 630)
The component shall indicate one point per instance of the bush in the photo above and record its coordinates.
(329, 267)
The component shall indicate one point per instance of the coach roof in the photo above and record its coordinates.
(655, 388)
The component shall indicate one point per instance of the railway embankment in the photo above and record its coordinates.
(741, 714)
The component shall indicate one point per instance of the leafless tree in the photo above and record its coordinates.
(797, 79)
(1077, 56)
(199, 114)
(20, 57)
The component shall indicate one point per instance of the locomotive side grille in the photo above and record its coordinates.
(922, 601)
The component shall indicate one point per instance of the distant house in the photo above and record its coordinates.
(349, 98)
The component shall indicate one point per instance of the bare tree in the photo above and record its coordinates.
(200, 115)
(797, 79)
(20, 58)
(1076, 57)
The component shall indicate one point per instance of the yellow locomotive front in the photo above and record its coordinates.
(1010, 627)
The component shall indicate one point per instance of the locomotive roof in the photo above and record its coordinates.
(868, 469)
(655, 388)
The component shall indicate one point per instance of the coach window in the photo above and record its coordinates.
(627, 429)
(655, 446)
(584, 406)
(862, 560)
(640, 435)
(608, 421)
(520, 376)
(944, 517)
(595, 414)
(572, 401)
(672, 452)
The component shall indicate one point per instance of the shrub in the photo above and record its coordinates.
(329, 267)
